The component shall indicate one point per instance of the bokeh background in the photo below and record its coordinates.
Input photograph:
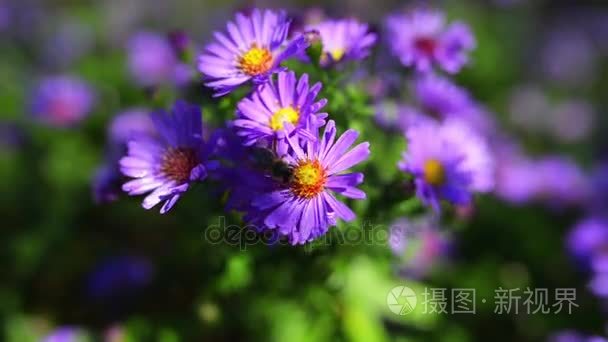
(112, 271)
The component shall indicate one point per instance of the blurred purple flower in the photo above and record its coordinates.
(118, 276)
(569, 58)
(529, 108)
(574, 336)
(128, 124)
(153, 61)
(572, 120)
(517, 180)
(562, 182)
(70, 40)
(567, 121)
(344, 40)
(420, 245)
(5, 16)
(587, 238)
(66, 334)
(439, 97)
(421, 39)
(62, 101)
(449, 161)
(599, 188)
(180, 41)
(599, 285)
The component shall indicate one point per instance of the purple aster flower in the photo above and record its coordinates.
(449, 161)
(62, 101)
(168, 164)
(344, 40)
(153, 61)
(439, 98)
(421, 39)
(304, 207)
(286, 107)
(252, 49)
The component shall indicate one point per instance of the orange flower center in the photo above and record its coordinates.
(309, 179)
(177, 163)
(286, 114)
(256, 61)
(433, 172)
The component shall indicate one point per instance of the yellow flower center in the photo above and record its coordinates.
(282, 115)
(337, 54)
(434, 172)
(256, 61)
(309, 179)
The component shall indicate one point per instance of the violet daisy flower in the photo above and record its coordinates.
(278, 109)
(62, 101)
(252, 50)
(421, 39)
(168, 164)
(448, 161)
(305, 207)
(344, 40)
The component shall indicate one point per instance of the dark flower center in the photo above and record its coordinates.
(177, 163)
(426, 44)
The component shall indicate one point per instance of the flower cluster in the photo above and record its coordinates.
(281, 159)
(446, 130)
(279, 167)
